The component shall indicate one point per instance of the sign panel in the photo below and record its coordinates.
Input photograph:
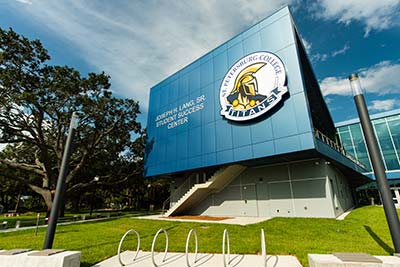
(252, 86)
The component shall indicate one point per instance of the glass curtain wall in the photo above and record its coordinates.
(387, 131)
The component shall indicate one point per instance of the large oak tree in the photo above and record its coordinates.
(36, 103)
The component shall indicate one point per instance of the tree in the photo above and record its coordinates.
(36, 103)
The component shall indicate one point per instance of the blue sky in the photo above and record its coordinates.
(139, 43)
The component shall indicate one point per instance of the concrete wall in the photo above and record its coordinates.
(301, 189)
(340, 190)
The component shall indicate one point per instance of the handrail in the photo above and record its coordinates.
(263, 248)
(168, 200)
(336, 147)
(225, 239)
(154, 243)
(180, 191)
(120, 245)
(187, 247)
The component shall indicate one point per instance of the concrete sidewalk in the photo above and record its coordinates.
(174, 259)
(234, 220)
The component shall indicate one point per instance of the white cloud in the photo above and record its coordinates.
(319, 57)
(382, 78)
(373, 14)
(384, 105)
(139, 43)
(28, 2)
(307, 45)
(325, 56)
(341, 51)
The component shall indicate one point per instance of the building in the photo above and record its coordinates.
(244, 131)
(387, 131)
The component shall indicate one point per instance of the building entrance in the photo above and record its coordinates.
(396, 196)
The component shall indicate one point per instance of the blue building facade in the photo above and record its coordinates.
(196, 125)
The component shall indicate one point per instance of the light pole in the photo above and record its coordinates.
(377, 163)
(51, 229)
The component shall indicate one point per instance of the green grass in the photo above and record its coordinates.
(364, 230)
(29, 218)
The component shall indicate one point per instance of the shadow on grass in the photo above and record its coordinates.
(117, 242)
(378, 240)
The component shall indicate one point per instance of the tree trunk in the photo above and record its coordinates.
(47, 196)
(18, 199)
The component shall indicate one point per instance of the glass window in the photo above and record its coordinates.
(386, 144)
(346, 142)
(394, 126)
(359, 145)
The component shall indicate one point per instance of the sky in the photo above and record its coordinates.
(140, 43)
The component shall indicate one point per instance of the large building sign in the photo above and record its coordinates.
(252, 86)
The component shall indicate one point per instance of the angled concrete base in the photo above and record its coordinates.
(62, 259)
(204, 260)
(328, 260)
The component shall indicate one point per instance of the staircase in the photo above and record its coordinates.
(198, 192)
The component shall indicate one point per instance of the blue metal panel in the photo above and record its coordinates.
(194, 80)
(241, 135)
(209, 159)
(208, 113)
(287, 144)
(235, 53)
(306, 141)
(252, 43)
(208, 138)
(206, 73)
(242, 153)
(263, 149)
(225, 156)
(220, 65)
(203, 137)
(284, 120)
(195, 142)
(224, 135)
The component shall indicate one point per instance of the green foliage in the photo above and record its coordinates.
(364, 230)
(36, 103)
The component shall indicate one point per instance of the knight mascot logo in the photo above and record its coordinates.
(252, 86)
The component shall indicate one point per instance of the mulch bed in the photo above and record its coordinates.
(203, 218)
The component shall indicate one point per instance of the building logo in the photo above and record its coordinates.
(252, 86)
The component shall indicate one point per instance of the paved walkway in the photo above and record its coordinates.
(234, 220)
(203, 260)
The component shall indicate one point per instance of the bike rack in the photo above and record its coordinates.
(187, 247)
(154, 243)
(225, 240)
(263, 248)
(120, 245)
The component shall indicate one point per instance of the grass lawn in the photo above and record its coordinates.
(29, 218)
(364, 230)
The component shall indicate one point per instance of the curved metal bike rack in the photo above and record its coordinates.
(122, 241)
(154, 243)
(187, 247)
(225, 239)
(263, 248)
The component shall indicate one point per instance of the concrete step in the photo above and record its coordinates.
(203, 260)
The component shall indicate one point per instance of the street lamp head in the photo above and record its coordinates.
(355, 84)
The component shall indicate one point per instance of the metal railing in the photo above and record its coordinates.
(179, 192)
(318, 134)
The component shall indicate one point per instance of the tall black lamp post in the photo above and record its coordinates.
(51, 229)
(377, 163)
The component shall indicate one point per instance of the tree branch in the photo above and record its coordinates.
(23, 166)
